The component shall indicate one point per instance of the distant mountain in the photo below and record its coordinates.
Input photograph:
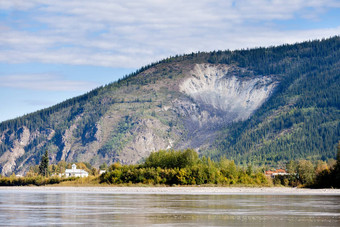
(264, 105)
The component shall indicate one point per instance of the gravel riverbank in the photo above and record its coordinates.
(179, 190)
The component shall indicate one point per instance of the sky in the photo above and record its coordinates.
(52, 50)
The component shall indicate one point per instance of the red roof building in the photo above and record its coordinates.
(276, 172)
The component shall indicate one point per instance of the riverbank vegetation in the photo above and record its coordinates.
(329, 177)
(183, 168)
(304, 173)
(32, 180)
(169, 168)
(47, 174)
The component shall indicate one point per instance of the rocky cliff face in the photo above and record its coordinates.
(9, 157)
(219, 95)
(226, 92)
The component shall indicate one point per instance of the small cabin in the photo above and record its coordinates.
(102, 171)
(277, 172)
(74, 172)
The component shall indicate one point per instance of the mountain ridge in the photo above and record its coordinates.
(157, 107)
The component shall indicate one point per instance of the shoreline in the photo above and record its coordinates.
(175, 190)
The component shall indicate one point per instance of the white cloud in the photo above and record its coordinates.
(44, 82)
(17, 4)
(134, 33)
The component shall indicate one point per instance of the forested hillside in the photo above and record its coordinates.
(260, 106)
(302, 119)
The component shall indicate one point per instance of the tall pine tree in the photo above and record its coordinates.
(336, 171)
(43, 167)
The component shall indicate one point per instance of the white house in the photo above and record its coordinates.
(74, 172)
(102, 171)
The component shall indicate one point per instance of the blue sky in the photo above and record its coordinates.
(54, 50)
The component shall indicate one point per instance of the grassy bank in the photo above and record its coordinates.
(35, 180)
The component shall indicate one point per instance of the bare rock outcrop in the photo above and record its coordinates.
(8, 158)
(218, 95)
(225, 91)
(148, 135)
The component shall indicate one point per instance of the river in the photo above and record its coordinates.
(84, 208)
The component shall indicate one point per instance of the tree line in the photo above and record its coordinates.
(46, 173)
(186, 168)
(183, 168)
(170, 167)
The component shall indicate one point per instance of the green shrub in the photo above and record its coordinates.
(181, 168)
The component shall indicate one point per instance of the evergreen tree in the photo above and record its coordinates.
(103, 166)
(336, 170)
(338, 155)
(43, 167)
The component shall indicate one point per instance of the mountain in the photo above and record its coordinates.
(260, 106)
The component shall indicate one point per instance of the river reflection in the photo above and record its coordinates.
(30, 208)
